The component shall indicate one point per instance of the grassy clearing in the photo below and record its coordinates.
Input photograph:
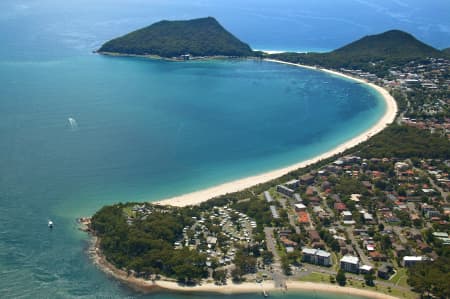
(316, 277)
(400, 278)
(325, 278)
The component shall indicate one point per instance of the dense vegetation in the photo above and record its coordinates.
(198, 37)
(405, 142)
(146, 246)
(373, 53)
(447, 51)
(431, 279)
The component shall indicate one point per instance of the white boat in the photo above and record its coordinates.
(50, 224)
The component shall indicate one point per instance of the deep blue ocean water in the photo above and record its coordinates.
(80, 130)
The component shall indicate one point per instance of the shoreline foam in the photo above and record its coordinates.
(197, 197)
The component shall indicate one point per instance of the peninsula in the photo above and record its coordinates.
(203, 37)
(369, 218)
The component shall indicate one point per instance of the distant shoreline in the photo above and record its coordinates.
(147, 286)
(156, 57)
(197, 197)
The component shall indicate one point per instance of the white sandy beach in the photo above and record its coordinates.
(268, 286)
(200, 196)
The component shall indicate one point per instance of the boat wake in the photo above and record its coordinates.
(73, 124)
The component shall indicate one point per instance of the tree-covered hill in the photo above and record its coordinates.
(446, 52)
(374, 53)
(198, 37)
(393, 44)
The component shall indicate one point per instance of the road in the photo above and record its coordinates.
(439, 189)
(277, 273)
(362, 255)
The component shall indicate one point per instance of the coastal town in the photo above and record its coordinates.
(358, 221)
(225, 149)
(421, 88)
(373, 216)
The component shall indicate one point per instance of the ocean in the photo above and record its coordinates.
(79, 130)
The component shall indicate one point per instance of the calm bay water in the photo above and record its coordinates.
(140, 129)
(144, 130)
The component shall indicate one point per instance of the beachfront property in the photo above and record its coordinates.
(350, 263)
(364, 269)
(292, 184)
(285, 190)
(307, 179)
(316, 256)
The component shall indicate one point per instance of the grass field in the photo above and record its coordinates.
(325, 278)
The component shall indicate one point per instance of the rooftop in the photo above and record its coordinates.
(350, 259)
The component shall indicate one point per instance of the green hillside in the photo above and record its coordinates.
(393, 47)
(446, 52)
(198, 37)
(388, 45)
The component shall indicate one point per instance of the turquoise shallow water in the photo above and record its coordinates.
(144, 129)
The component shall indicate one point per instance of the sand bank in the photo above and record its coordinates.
(241, 184)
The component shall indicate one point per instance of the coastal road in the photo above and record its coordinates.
(277, 274)
(439, 189)
(271, 243)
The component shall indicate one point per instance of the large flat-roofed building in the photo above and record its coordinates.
(274, 211)
(299, 207)
(347, 216)
(323, 258)
(350, 263)
(409, 261)
(267, 196)
(298, 198)
(285, 190)
(292, 184)
(307, 179)
(316, 256)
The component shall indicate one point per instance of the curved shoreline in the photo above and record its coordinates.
(197, 197)
(238, 185)
(143, 285)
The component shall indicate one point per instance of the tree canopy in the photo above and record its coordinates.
(146, 245)
(198, 37)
